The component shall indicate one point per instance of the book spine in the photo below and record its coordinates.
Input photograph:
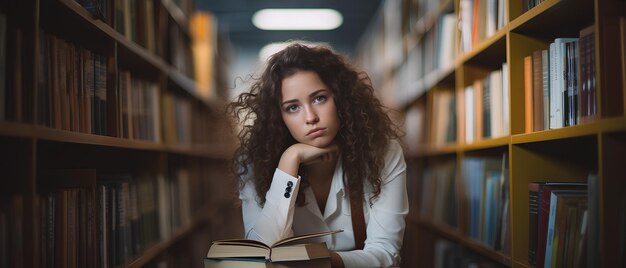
(553, 87)
(550, 234)
(528, 94)
(537, 90)
(545, 71)
(533, 211)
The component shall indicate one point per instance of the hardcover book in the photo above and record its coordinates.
(283, 253)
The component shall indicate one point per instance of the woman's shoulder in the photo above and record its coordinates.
(394, 151)
(394, 145)
(394, 159)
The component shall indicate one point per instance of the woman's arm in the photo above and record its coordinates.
(386, 221)
(274, 220)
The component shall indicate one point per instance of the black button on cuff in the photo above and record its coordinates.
(288, 189)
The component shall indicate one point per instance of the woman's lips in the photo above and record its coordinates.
(316, 132)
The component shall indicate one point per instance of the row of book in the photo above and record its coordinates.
(179, 55)
(560, 83)
(483, 112)
(484, 187)
(156, 25)
(137, 20)
(415, 46)
(73, 84)
(486, 106)
(104, 220)
(486, 193)
(427, 61)
(72, 95)
(480, 19)
(405, 24)
(185, 123)
(562, 216)
(443, 129)
(438, 194)
(415, 135)
(71, 87)
(139, 109)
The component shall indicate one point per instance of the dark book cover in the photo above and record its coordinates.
(486, 124)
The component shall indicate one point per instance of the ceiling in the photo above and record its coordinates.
(235, 18)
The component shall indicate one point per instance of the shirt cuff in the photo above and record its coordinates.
(284, 188)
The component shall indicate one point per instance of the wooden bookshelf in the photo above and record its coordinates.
(454, 235)
(128, 165)
(178, 14)
(574, 152)
(486, 50)
(486, 144)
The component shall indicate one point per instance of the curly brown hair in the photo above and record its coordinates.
(363, 136)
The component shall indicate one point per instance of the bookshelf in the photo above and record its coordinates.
(112, 154)
(492, 50)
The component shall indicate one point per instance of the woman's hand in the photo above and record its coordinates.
(305, 154)
(312, 155)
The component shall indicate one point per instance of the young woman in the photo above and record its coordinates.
(317, 144)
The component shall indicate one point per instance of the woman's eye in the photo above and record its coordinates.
(319, 98)
(291, 108)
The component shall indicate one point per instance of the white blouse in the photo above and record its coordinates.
(385, 219)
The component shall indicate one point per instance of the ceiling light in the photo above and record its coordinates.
(297, 19)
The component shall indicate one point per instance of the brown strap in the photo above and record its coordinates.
(358, 225)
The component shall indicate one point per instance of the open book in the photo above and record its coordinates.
(283, 253)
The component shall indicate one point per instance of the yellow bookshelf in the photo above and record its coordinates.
(569, 153)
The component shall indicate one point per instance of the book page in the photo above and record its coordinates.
(289, 253)
(304, 236)
(246, 242)
(238, 251)
(299, 252)
(253, 248)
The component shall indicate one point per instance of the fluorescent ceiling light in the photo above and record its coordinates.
(297, 19)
